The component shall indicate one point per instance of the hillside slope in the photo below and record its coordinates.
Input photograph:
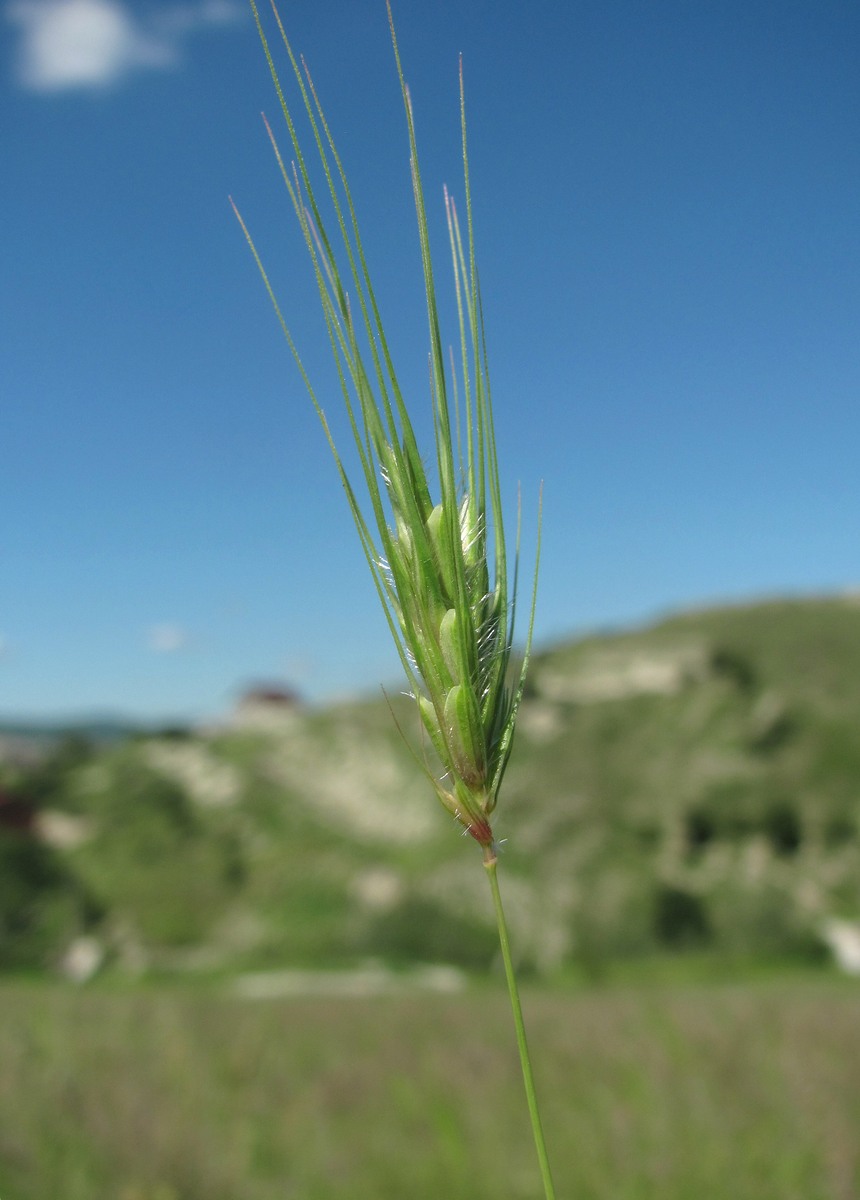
(692, 784)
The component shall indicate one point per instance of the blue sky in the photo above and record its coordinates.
(666, 203)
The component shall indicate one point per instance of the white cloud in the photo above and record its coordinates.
(167, 638)
(181, 18)
(68, 44)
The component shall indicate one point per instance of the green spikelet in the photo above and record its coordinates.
(447, 600)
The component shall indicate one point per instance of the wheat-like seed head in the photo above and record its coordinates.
(440, 567)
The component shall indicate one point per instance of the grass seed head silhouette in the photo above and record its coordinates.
(435, 546)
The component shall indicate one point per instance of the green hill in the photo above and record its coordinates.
(694, 784)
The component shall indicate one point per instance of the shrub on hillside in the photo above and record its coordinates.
(42, 905)
(154, 863)
(418, 930)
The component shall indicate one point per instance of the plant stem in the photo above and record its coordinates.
(490, 863)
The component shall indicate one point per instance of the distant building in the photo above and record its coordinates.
(21, 750)
(266, 708)
(16, 814)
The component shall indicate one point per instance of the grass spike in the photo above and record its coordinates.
(439, 565)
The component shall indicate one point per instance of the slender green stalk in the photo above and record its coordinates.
(490, 862)
(434, 541)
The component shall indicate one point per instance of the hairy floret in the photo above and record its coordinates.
(435, 547)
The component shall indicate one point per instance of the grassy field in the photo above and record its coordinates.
(678, 1091)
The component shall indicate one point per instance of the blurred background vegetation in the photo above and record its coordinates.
(682, 858)
(693, 787)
